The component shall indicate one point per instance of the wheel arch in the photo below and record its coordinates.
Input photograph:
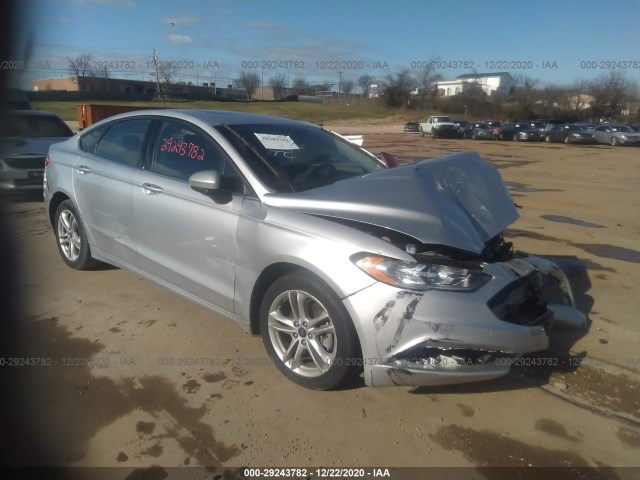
(263, 282)
(55, 201)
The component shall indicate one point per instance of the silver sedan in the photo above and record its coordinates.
(616, 135)
(342, 265)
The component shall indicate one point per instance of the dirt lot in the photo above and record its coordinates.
(140, 377)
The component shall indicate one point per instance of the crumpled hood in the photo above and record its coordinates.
(458, 200)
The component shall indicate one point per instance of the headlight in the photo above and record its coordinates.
(419, 276)
(622, 137)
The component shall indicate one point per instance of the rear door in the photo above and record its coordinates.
(104, 181)
(188, 239)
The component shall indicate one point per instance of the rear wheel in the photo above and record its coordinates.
(71, 237)
(308, 333)
(421, 132)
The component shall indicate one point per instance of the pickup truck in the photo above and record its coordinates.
(439, 126)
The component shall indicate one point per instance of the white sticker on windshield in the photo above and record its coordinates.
(276, 142)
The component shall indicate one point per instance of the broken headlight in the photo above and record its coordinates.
(419, 276)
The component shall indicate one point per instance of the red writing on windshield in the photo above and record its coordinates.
(182, 148)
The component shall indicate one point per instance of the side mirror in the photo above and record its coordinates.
(208, 183)
(390, 160)
(205, 181)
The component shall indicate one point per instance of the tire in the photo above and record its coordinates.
(421, 132)
(515, 137)
(285, 329)
(71, 237)
(566, 140)
(614, 142)
(547, 138)
(474, 136)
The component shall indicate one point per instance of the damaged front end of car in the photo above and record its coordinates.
(455, 303)
(452, 317)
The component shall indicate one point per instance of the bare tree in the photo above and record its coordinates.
(553, 98)
(364, 82)
(278, 82)
(525, 93)
(80, 68)
(250, 82)
(613, 93)
(397, 89)
(346, 86)
(426, 76)
(166, 71)
(523, 85)
(300, 85)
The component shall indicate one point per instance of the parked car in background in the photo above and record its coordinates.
(481, 131)
(412, 127)
(461, 125)
(467, 130)
(342, 265)
(518, 132)
(438, 126)
(549, 123)
(14, 99)
(586, 126)
(532, 124)
(616, 135)
(492, 123)
(524, 132)
(635, 128)
(504, 131)
(570, 134)
(25, 137)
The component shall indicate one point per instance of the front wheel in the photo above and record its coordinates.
(308, 333)
(71, 237)
(515, 137)
(547, 138)
(614, 141)
(566, 140)
(421, 132)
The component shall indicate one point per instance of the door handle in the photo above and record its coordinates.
(150, 188)
(83, 169)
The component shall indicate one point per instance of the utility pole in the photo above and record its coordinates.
(155, 64)
(106, 76)
(339, 82)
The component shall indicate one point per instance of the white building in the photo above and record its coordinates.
(498, 83)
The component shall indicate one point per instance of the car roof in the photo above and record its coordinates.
(31, 113)
(211, 117)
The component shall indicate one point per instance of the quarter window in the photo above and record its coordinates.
(89, 140)
(123, 142)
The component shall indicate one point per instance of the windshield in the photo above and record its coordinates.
(622, 129)
(31, 126)
(295, 158)
(574, 128)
